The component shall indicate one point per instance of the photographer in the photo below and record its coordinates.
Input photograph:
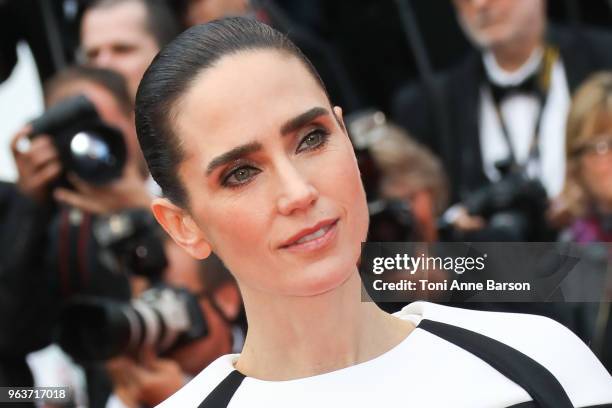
(147, 379)
(52, 212)
(30, 289)
(506, 102)
(411, 173)
(106, 90)
(22, 289)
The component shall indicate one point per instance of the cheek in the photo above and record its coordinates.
(597, 175)
(342, 183)
(237, 232)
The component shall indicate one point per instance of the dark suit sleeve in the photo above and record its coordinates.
(584, 52)
(27, 305)
(600, 46)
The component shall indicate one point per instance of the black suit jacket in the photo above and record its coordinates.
(582, 52)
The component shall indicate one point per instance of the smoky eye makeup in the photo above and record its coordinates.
(238, 174)
(313, 139)
(242, 171)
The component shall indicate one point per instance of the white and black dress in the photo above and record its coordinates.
(454, 358)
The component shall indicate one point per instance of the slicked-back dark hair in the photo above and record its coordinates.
(170, 76)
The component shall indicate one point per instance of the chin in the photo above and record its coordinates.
(488, 37)
(323, 277)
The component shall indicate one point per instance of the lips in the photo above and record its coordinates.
(310, 234)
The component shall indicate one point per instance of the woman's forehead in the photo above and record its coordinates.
(597, 124)
(246, 95)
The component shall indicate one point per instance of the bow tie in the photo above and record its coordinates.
(528, 86)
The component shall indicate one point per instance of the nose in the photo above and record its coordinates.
(297, 192)
(104, 59)
(473, 5)
(479, 4)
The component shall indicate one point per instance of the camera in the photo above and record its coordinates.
(132, 239)
(93, 150)
(514, 206)
(390, 221)
(163, 317)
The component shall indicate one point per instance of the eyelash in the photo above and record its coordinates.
(322, 133)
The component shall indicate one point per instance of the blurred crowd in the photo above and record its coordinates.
(510, 141)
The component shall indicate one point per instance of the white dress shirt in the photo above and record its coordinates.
(520, 112)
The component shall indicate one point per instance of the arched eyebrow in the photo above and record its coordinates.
(288, 127)
(302, 119)
(232, 155)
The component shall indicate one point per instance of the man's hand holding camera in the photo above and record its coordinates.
(148, 381)
(127, 192)
(37, 163)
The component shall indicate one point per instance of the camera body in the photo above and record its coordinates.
(391, 220)
(132, 239)
(515, 205)
(87, 146)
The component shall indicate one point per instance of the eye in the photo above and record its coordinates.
(91, 54)
(123, 48)
(313, 140)
(239, 176)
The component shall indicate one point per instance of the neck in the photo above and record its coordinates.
(298, 337)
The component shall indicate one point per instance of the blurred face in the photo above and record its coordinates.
(490, 23)
(203, 11)
(596, 171)
(116, 38)
(271, 175)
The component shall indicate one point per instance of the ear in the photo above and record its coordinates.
(339, 117)
(228, 299)
(181, 227)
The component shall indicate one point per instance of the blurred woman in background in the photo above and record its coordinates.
(587, 194)
(586, 205)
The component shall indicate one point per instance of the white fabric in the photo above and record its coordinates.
(425, 371)
(153, 188)
(520, 113)
(51, 367)
(115, 402)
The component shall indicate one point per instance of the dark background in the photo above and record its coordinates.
(366, 35)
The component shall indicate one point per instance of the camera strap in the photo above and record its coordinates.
(205, 294)
(542, 88)
(73, 244)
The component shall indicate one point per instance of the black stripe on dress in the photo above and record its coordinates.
(223, 393)
(533, 377)
(531, 404)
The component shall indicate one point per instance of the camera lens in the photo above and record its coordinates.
(97, 154)
(92, 149)
(94, 329)
(88, 147)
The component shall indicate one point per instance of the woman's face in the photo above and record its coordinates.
(596, 171)
(272, 179)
